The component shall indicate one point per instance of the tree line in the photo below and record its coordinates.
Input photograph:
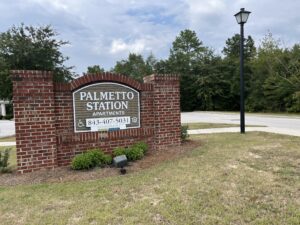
(209, 81)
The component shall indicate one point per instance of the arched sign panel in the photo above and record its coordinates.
(106, 106)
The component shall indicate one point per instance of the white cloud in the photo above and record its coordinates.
(119, 46)
(201, 7)
(57, 4)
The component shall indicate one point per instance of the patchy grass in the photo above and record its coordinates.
(195, 126)
(230, 179)
(7, 139)
(275, 114)
(257, 113)
(12, 157)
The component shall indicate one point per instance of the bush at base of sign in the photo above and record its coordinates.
(134, 152)
(142, 145)
(119, 151)
(90, 159)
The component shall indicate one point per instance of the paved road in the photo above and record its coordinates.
(7, 128)
(277, 124)
(274, 123)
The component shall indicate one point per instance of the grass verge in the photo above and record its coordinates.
(195, 126)
(230, 179)
(8, 139)
(258, 113)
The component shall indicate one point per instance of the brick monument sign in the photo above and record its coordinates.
(56, 121)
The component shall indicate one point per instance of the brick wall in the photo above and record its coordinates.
(44, 118)
(34, 114)
(166, 108)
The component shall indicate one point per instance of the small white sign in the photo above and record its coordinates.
(97, 124)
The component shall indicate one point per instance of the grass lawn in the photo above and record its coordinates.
(258, 113)
(230, 179)
(194, 126)
(7, 139)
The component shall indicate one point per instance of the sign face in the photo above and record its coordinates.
(106, 106)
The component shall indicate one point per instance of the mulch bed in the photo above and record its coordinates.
(65, 174)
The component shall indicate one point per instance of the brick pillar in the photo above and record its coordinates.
(166, 108)
(33, 100)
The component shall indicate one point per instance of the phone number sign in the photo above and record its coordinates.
(106, 106)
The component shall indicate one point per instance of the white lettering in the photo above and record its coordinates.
(111, 96)
(103, 95)
(89, 96)
(82, 95)
(89, 106)
(125, 105)
(130, 95)
(95, 96)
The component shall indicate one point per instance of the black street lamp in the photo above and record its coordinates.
(241, 18)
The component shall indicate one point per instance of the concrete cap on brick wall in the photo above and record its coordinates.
(19, 75)
(161, 77)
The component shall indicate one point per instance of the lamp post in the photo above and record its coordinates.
(241, 18)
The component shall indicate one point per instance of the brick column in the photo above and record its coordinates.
(33, 100)
(166, 110)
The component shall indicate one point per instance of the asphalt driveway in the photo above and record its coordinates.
(7, 128)
(273, 123)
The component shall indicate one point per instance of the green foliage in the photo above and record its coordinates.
(134, 153)
(187, 56)
(4, 156)
(119, 151)
(295, 106)
(8, 117)
(276, 77)
(232, 48)
(81, 162)
(135, 66)
(95, 69)
(90, 159)
(107, 159)
(184, 133)
(30, 48)
(229, 73)
(143, 145)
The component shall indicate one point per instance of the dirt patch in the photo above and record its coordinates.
(65, 174)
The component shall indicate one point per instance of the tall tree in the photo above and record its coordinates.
(32, 48)
(213, 86)
(134, 66)
(262, 66)
(232, 70)
(232, 47)
(186, 55)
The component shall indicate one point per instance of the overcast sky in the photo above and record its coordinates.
(104, 31)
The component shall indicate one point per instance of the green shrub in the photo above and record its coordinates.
(107, 160)
(90, 159)
(4, 156)
(82, 162)
(142, 145)
(184, 133)
(134, 153)
(119, 151)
